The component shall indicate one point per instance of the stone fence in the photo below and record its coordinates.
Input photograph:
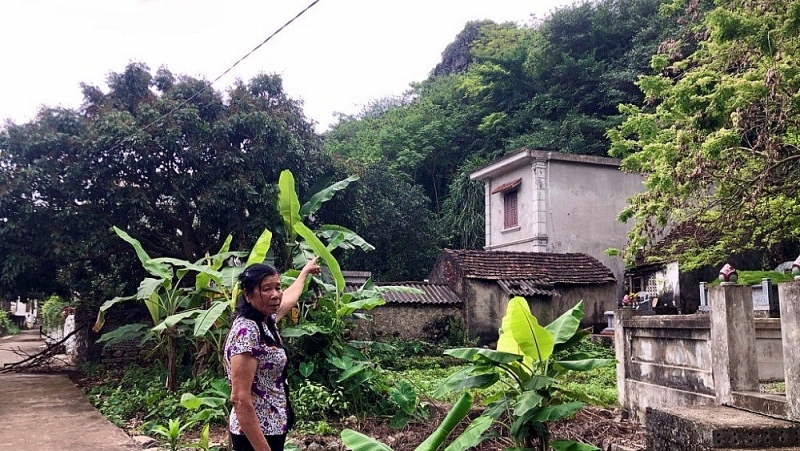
(713, 358)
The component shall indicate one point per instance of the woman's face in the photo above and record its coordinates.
(266, 298)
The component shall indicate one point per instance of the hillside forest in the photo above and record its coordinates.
(701, 97)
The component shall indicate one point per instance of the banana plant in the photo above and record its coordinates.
(172, 304)
(526, 356)
(293, 215)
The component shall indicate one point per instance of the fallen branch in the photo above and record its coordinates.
(44, 359)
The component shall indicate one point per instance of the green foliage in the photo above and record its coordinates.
(175, 306)
(213, 404)
(52, 313)
(537, 359)
(136, 394)
(172, 432)
(717, 138)
(314, 403)
(597, 386)
(7, 326)
(393, 215)
(360, 442)
(166, 156)
(754, 277)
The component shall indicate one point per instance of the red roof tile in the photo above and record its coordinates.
(507, 186)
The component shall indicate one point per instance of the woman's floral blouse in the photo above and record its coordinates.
(269, 398)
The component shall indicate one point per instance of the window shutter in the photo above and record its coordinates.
(510, 206)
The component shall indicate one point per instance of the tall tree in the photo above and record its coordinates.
(392, 215)
(717, 137)
(166, 158)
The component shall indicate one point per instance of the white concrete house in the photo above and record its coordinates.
(538, 201)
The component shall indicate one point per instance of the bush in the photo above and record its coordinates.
(314, 402)
(136, 395)
(754, 277)
(52, 313)
(7, 326)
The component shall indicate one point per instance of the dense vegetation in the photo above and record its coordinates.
(180, 165)
(700, 97)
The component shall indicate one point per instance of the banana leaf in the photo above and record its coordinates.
(566, 325)
(101, 315)
(157, 269)
(357, 441)
(288, 204)
(323, 253)
(207, 318)
(321, 196)
(522, 334)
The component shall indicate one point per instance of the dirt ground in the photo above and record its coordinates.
(601, 427)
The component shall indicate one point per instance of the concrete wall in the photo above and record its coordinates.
(583, 202)
(666, 361)
(769, 349)
(409, 321)
(663, 361)
(487, 305)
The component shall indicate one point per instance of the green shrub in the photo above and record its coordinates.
(754, 277)
(457, 332)
(52, 317)
(314, 402)
(137, 395)
(7, 326)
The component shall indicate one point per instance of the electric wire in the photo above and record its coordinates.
(190, 98)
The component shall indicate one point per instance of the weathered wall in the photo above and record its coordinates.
(487, 305)
(409, 322)
(584, 200)
(667, 360)
(597, 299)
(769, 349)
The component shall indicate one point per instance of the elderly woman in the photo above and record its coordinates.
(255, 359)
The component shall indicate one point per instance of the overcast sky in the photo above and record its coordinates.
(337, 57)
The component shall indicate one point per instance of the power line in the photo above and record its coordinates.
(225, 72)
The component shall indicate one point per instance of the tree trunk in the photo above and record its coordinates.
(172, 365)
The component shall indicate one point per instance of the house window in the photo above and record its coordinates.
(510, 209)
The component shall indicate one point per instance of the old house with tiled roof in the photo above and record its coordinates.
(551, 282)
(426, 312)
(538, 201)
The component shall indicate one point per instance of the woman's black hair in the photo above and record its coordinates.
(250, 280)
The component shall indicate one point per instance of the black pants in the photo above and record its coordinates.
(240, 442)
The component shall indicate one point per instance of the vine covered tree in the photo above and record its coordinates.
(717, 137)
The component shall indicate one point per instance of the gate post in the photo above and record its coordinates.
(789, 294)
(733, 341)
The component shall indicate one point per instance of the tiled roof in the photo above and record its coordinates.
(432, 294)
(572, 268)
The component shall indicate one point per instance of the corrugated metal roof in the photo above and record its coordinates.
(432, 294)
(527, 287)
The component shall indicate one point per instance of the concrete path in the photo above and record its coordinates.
(46, 412)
